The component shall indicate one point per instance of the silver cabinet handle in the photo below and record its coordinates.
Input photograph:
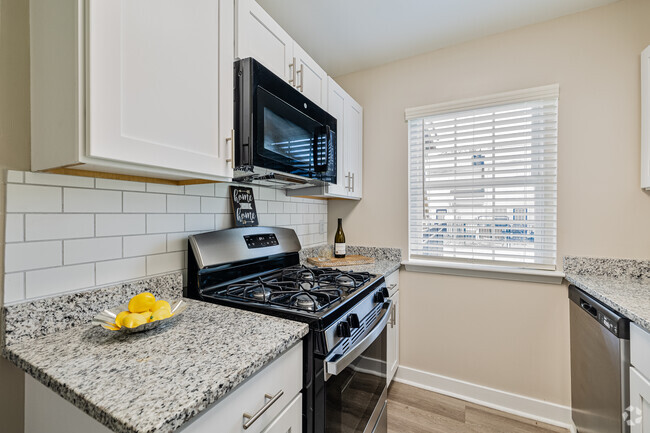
(352, 182)
(392, 286)
(347, 186)
(302, 77)
(231, 160)
(252, 418)
(292, 70)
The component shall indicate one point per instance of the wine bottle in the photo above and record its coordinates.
(339, 241)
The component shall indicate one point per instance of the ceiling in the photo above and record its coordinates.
(350, 35)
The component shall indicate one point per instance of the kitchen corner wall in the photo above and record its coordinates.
(70, 233)
(512, 336)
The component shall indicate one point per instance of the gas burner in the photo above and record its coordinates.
(345, 280)
(305, 302)
(261, 293)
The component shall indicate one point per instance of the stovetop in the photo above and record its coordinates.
(297, 292)
(299, 288)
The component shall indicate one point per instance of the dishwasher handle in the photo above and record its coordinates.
(588, 308)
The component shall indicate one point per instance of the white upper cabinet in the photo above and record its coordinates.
(311, 79)
(336, 97)
(153, 81)
(260, 37)
(354, 147)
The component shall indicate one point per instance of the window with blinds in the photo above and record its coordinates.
(483, 179)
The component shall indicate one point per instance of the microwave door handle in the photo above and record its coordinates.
(335, 367)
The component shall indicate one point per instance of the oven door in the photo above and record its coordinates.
(289, 141)
(356, 383)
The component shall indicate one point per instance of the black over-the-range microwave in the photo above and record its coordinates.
(282, 138)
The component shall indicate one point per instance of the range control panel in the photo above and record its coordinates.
(261, 240)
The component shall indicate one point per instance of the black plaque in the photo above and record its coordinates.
(243, 206)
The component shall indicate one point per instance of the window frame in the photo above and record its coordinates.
(469, 267)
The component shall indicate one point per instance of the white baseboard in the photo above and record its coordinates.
(527, 407)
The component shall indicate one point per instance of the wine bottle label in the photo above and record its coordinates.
(339, 249)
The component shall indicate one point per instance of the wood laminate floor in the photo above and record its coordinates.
(414, 410)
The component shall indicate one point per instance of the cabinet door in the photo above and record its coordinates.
(311, 79)
(260, 37)
(290, 420)
(639, 411)
(159, 83)
(336, 99)
(354, 147)
(393, 339)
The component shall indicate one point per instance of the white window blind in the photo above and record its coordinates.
(483, 179)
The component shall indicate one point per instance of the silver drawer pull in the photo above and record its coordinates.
(392, 286)
(271, 399)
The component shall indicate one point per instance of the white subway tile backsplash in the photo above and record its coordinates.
(275, 207)
(32, 255)
(204, 189)
(162, 263)
(165, 223)
(215, 205)
(183, 204)
(91, 200)
(165, 189)
(14, 287)
(141, 202)
(199, 222)
(15, 227)
(120, 270)
(121, 185)
(33, 198)
(266, 219)
(177, 241)
(144, 245)
(14, 176)
(266, 194)
(43, 226)
(48, 282)
(119, 224)
(91, 250)
(83, 232)
(59, 180)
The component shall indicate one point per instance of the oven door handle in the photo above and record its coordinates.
(335, 367)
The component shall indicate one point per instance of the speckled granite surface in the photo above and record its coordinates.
(387, 260)
(38, 318)
(621, 284)
(157, 380)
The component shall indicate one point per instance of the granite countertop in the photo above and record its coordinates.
(157, 380)
(621, 284)
(387, 260)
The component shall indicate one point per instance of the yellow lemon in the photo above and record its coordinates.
(134, 320)
(161, 304)
(119, 318)
(159, 314)
(142, 302)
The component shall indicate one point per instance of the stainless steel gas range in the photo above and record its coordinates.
(258, 269)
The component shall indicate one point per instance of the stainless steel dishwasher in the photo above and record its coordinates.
(600, 362)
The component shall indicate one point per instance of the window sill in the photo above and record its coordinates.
(484, 271)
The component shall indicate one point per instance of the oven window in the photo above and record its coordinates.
(353, 394)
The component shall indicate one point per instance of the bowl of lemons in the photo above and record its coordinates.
(142, 313)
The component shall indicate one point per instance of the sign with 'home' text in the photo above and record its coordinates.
(243, 206)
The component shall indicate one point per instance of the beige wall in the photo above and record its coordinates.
(508, 335)
(14, 153)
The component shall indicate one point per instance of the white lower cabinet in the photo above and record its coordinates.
(639, 413)
(271, 400)
(639, 410)
(392, 346)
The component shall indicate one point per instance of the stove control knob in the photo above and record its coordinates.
(384, 291)
(379, 297)
(353, 320)
(343, 329)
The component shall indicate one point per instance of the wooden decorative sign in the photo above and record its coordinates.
(243, 206)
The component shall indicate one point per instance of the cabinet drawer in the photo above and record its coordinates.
(392, 282)
(640, 349)
(284, 375)
(290, 420)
